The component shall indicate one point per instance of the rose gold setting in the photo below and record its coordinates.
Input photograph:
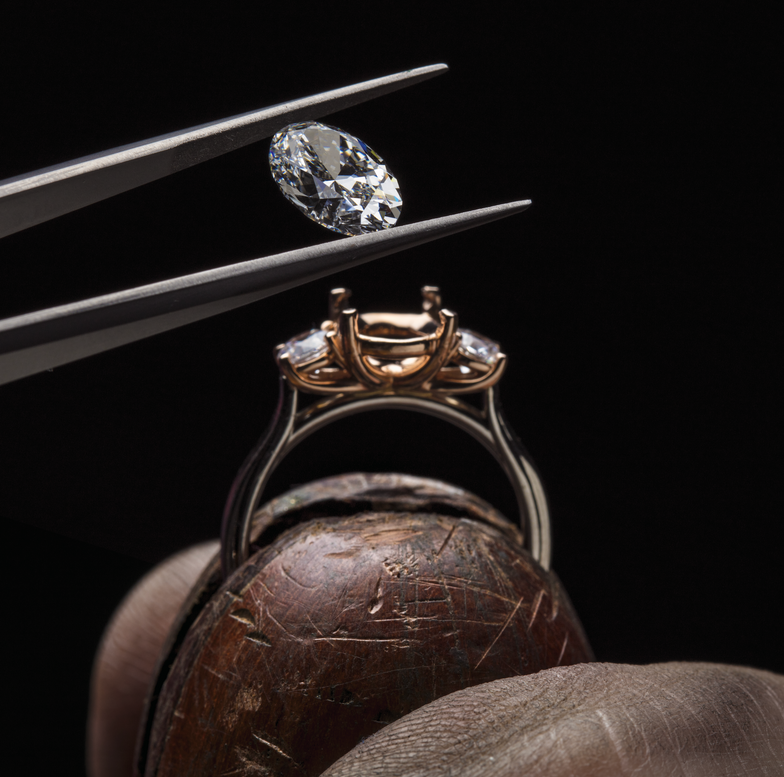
(358, 363)
(391, 353)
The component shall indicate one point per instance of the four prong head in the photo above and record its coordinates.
(390, 352)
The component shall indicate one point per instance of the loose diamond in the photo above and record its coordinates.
(478, 348)
(307, 347)
(334, 178)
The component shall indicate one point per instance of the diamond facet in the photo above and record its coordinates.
(334, 178)
(307, 346)
(478, 348)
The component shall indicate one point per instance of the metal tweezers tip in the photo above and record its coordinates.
(38, 341)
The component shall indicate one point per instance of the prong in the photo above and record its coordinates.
(447, 343)
(31, 199)
(348, 322)
(431, 301)
(337, 301)
(341, 384)
(287, 368)
(335, 350)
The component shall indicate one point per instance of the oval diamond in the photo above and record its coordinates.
(478, 348)
(307, 346)
(334, 178)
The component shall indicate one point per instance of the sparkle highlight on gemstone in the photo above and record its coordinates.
(334, 178)
(479, 348)
(307, 346)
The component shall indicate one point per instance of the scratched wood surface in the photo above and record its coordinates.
(345, 623)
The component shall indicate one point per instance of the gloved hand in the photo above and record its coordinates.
(591, 720)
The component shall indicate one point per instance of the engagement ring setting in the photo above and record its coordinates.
(390, 352)
(421, 362)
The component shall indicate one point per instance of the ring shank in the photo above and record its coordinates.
(289, 428)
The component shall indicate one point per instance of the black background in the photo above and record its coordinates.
(636, 300)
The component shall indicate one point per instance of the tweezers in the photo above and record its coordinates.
(39, 341)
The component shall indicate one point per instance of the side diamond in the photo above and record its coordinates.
(307, 346)
(478, 348)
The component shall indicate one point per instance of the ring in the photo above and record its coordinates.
(355, 363)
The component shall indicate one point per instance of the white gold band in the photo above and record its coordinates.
(290, 425)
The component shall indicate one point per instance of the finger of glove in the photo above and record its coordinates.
(592, 720)
(127, 657)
